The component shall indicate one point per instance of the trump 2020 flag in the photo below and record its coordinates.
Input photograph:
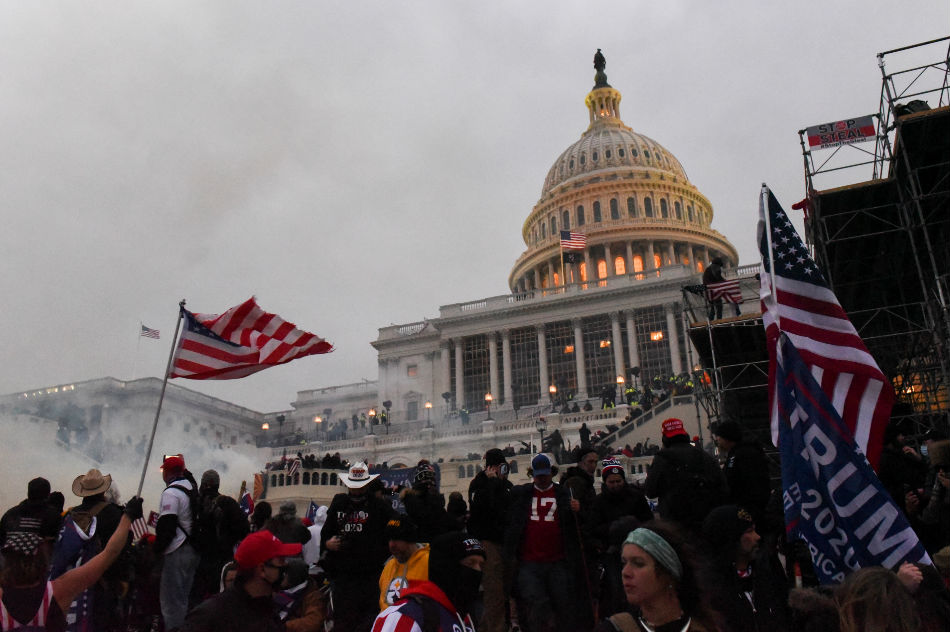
(832, 498)
(239, 342)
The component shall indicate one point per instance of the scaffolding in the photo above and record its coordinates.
(732, 368)
(884, 243)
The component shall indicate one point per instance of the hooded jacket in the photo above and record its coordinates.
(423, 598)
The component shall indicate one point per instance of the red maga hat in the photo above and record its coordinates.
(261, 546)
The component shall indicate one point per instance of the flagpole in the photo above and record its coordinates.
(135, 359)
(767, 214)
(560, 243)
(161, 397)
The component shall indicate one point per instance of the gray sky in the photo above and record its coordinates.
(360, 164)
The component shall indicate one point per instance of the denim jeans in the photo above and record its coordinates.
(178, 573)
(546, 597)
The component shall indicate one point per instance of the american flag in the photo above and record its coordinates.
(798, 302)
(139, 529)
(573, 241)
(240, 342)
(728, 290)
(294, 467)
(148, 332)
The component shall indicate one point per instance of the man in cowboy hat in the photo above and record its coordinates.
(87, 528)
(356, 549)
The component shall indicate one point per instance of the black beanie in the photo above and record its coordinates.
(445, 555)
(724, 525)
(401, 528)
(38, 489)
(494, 456)
(729, 430)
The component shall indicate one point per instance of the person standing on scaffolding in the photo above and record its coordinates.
(712, 276)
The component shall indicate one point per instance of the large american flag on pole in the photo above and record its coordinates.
(796, 300)
(239, 342)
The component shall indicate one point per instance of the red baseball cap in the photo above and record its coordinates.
(261, 546)
(673, 427)
(174, 463)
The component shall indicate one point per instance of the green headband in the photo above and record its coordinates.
(657, 547)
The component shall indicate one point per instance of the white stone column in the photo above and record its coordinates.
(591, 274)
(446, 383)
(649, 264)
(459, 376)
(671, 253)
(629, 257)
(579, 359)
(493, 365)
(383, 369)
(674, 340)
(617, 344)
(551, 284)
(542, 365)
(692, 258)
(506, 367)
(632, 340)
(705, 257)
(608, 259)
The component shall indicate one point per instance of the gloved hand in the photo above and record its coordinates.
(133, 508)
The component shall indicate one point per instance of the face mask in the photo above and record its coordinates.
(467, 586)
(281, 576)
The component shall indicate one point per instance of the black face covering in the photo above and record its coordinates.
(281, 576)
(466, 590)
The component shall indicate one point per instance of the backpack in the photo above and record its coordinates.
(199, 538)
(78, 544)
(693, 493)
(217, 526)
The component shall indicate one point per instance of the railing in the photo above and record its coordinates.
(643, 418)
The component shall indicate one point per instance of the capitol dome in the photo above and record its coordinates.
(627, 195)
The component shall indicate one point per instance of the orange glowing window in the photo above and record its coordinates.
(656, 336)
(568, 349)
(601, 269)
(657, 260)
(620, 265)
(557, 279)
(700, 266)
(583, 271)
(637, 263)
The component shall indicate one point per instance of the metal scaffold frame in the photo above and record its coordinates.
(731, 377)
(883, 243)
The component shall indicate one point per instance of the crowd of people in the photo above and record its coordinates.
(699, 546)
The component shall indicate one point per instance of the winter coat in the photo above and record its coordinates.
(489, 499)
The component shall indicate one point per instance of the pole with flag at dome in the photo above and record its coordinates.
(236, 343)
(574, 244)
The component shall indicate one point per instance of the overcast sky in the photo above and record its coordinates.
(359, 164)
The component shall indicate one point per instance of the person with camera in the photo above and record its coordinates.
(489, 497)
